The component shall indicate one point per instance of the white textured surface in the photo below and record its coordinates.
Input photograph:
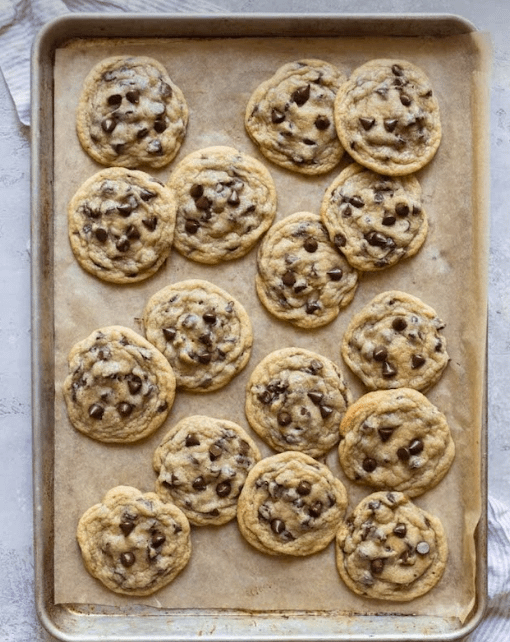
(18, 621)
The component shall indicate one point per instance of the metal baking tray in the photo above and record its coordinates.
(137, 623)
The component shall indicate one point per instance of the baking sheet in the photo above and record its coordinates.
(217, 78)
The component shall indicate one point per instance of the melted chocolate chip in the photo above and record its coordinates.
(127, 559)
(301, 95)
(160, 125)
(377, 566)
(402, 209)
(196, 190)
(369, 465)
(224, 488)
(367, 123)
(133, 96)
(114, 100)
(96, 411)
(284, 418)
(340, 240)
(289, 278)
(101, 234)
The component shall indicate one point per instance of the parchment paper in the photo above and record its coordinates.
(449, 273)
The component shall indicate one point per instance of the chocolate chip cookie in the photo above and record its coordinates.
(130, 113)
(374, 220)
(301, 277)
(120, 388)
(395, 342)
(390, 549)
(226, 201)
(290, 116)
(121, 225)
(387, 117)
(291, 504)
(396, 440)
(133, 542)
(295, 400)
(202, 464)
(204, 332)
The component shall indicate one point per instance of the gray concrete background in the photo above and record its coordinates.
(18, 622)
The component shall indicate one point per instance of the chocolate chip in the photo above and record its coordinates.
(118, 148)
(417, 361)
(108, 125)
(357, 201)
(169, 333)
(402, 209)
(322, 123)
(160, 125)
(133, 96)
(203, 203)
(265, 397)
(101, 234)
(403, 454)
(416, 447)
(150, 223)
(397, 70)
(377, 566)
(376, 239)
(315, 510)
(125, 209)
(191, 440)
(277, 116)
(127, 559)
(205, 358)
(191, 226)
(233, 199)
(405, 100)
(142, 133)
(134, 383)
(390, 124)
(199, 484)
(326, 411)
(124, 408)
(166, 90)
(385, 433)
(223, 488)
(127, 526)
(147, 194)
(311, 245)
(155, 147)
(157, 539)
(335, 274)
(284, 418)
(196, 190)
(96, 411)
(304, 488)
(340, 240)
(369, 464)
(309, 141)
(289, 278)
(399, 324)
(114, 100)
(367, 123)
(133, 233)
(301, 95)
(400, 530)
(389, 220)
(123, 245)
(277, 526)
(388, 370)
(215, 451)
(316, 397)
(423, 548)
(209, 317)
(312, 306)
(380, 353)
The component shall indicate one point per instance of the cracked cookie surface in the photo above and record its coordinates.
(390, 549)
(374, 220)
(394, 342)
(203, 331)
(130, 113)
(202, 464)
(387, 117)
(226, 200)
(290, 116)
(301, 277)
(396, 440)
(121, 225)
(291, 504)
(133, 542)
(119, 387)
(295, 400)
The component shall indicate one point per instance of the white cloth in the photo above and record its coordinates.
(20, 20)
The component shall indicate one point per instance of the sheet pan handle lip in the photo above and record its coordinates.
(48, 38)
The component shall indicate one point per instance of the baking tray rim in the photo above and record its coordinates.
(237, 624)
